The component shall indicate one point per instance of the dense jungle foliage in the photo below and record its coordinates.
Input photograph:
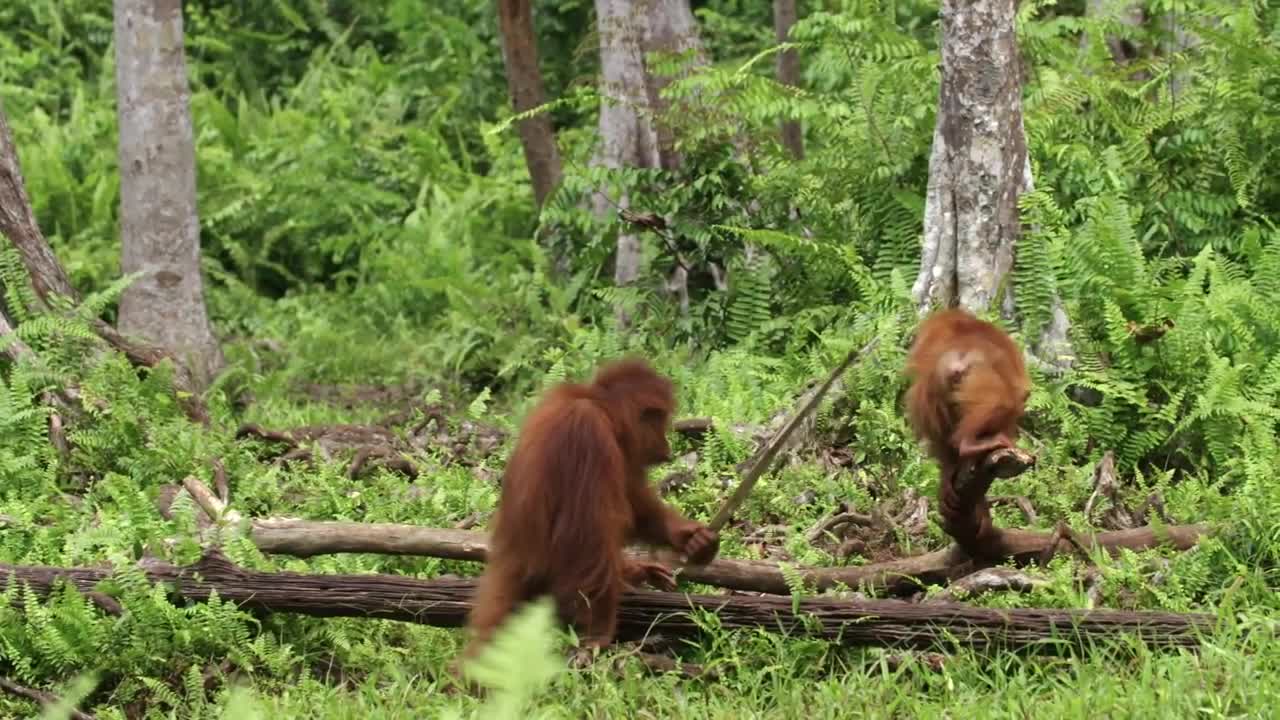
(369, 233)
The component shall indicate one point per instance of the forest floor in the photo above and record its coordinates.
(384, 669)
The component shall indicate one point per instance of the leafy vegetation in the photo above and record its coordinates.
(367, 219)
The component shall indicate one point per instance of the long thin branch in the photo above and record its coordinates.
(445, 603)
(766, 457)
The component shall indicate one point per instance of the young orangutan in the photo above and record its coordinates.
(969, 389)
(574, 492)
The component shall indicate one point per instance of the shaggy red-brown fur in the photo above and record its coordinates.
(574, 493)
(969, 389)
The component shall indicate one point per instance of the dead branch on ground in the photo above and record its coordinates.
(306, 538)
(40, 697)
(994, 579)
(445, 603)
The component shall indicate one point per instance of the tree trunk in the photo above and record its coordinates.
(979, 165)
(524, 82)
(788, 72)
(160, 230)
(668, 26)
(630, 135)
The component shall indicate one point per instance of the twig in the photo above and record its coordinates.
(693, 426)
(989, 580)
(836, 520)
(1018, 501)
(220, 480)
(469, 521)
(1104, 483)
(253, 430)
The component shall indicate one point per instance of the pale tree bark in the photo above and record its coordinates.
(524, 82)
(788, 73)
(668, 27)
(978, 168)
(160, 230)
(978, 165)
(630, 134)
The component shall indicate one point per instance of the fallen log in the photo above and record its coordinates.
(445, 603)
(305, 538)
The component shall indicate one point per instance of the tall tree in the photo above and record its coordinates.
(978, 168)
(788, 73)
(160, 230)
(524, 82)
(630, 135)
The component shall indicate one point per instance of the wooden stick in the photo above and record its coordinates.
(765, 459)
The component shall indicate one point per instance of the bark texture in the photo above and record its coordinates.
(978, 166)
(160, 229)
(788, 73)
(524, 82)
(630, 135)
(445, 603)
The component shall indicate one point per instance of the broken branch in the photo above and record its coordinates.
(766, 457)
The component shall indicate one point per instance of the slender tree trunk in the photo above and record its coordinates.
(628, 137)
(788, 72)
(524, 82)
(630, 133)
(160, 230)
(668, 26)
(979, 165)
